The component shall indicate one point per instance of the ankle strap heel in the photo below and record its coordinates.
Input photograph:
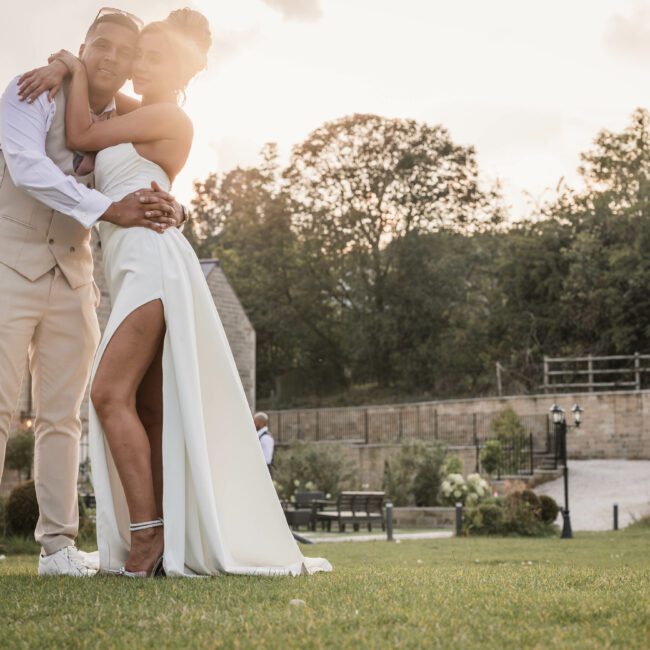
(157, 569)
(155, 523)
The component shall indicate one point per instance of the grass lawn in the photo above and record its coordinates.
(376, 532)
(589, 592)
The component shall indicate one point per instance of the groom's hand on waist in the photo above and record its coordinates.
(146, 208)
(180, 214)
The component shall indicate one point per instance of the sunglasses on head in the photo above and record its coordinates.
(111, 11)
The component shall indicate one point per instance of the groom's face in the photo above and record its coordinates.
(107, 54)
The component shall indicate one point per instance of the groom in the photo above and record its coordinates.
(47, 291)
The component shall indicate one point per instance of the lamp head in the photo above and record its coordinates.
(557, 413)
(577, 414)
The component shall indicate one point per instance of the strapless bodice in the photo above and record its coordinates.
(120, 170)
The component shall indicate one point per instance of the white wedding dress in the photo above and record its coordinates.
(221, 511)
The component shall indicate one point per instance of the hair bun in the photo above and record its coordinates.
(194, 25)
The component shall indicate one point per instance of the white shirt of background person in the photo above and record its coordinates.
(265, 438)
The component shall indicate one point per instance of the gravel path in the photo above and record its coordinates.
(596, 485)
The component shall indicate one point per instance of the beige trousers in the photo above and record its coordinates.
(56, 328)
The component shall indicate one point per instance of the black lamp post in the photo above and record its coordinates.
(560, 423)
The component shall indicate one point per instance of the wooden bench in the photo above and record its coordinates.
(354, 508)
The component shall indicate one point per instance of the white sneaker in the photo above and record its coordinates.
(66, 562)
(91, 560)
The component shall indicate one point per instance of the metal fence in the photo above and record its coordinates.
(517, 456)
(393, 424)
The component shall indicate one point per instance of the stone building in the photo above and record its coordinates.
(239, 331)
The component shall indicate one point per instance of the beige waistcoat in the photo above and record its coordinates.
(34, 238)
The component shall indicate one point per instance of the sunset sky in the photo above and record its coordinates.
(527, 83)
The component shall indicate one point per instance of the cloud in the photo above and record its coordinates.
(300, 10)
(235, 151)
(228, 43)
(500, 128)
(629, 36)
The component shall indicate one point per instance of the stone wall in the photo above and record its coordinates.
(615, 424)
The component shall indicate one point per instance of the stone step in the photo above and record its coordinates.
(547, 472)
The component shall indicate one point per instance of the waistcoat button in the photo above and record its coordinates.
(51, 241)
(72, 249)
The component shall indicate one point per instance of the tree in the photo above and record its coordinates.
(574, 282)
(243, 219)
(360, 184)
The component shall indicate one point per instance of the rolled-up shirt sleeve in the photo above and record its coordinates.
(23, 129)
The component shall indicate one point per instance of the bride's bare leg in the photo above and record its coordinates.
(149, 405)
(125, 362)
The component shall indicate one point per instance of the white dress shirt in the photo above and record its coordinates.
(23, 129)
(267, 444)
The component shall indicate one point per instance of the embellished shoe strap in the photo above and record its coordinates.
(146, 524)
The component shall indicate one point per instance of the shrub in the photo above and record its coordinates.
(507, 426)
(414, 475)
(453, 464)
(400, 471)
(20, 453)
(548, 509)
(522, 519)
(428, 477)
(519, 513)
(529, 497)
(455, 489)
(322, 467)
(22, 510)
(511, 433)
(492, 457)
(486, 518)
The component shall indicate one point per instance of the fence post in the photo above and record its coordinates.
(459, 519)
(400, 424)
(365, 424)
(435, 424)
(545, 374)
(317, 424)
(590, 368)
(616, 516)
(476, 443)
(389, 521)
(499, 382)
(532, 455)
(637, 371)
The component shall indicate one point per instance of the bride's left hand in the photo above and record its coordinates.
(47, 78)
(73, 63)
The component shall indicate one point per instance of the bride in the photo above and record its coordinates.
(171, 433)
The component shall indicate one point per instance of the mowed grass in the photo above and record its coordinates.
(589, 592)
